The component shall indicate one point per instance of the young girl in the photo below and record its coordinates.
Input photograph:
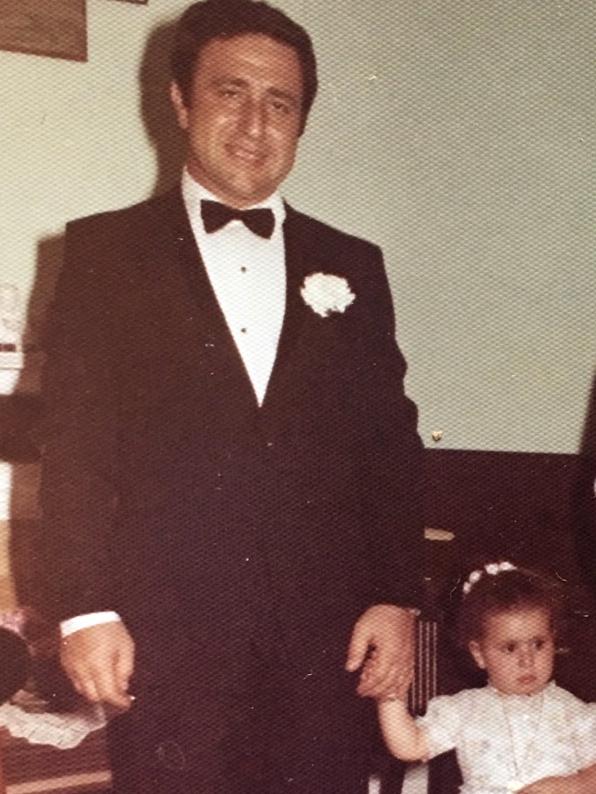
(521, 727)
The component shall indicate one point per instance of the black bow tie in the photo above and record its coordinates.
(215, 215)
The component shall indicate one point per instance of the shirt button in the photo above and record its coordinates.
(243, 330)
(243, 269)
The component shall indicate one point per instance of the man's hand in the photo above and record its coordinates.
(382, 645)
(99, 661)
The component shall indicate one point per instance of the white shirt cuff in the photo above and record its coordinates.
(86, 621)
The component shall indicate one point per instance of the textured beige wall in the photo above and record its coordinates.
(72, 139)
(459, 135)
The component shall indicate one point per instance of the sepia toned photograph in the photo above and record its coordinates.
(298, 398)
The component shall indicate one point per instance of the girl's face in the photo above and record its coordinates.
(517, 650)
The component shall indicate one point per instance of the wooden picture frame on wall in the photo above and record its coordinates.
(56, 28)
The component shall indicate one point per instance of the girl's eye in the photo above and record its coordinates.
(510, 647)
(538, 644)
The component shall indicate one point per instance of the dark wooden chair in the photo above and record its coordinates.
(434, 672)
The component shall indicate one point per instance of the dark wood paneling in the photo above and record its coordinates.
(509, 504)
(537, 509)
(57, 28)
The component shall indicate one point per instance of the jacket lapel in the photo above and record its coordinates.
(200, 309)
(203, 310)
(294, 314)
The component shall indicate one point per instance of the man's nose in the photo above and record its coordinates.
(253, 118)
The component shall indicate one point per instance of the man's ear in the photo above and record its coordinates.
(474, 648)
(179, 105)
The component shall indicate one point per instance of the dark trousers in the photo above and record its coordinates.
(249, 720)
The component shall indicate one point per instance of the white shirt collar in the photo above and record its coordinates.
(193, 193)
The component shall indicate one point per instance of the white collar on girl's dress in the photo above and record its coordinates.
(523, 702)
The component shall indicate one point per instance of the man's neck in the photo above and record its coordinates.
(194, 192)
(209, 194)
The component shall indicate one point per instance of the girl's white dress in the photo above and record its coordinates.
(506, 742)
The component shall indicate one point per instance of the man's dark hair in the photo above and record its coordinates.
(223, 19)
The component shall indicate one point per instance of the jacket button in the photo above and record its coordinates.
(170, 755)
(269, 444)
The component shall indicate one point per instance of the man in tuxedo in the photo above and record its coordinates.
(232, 475)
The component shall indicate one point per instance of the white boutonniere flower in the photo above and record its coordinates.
(325, 293)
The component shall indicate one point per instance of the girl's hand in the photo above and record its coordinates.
(548, 785)
(569, 784)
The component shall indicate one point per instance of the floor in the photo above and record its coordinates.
(415, 782)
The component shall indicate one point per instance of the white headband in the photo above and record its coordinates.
(492, 568)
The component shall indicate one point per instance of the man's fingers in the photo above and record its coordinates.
(399, 684)
(99, 685)
(86, 687)
(99, 661)
(385, 677)
(108, 687)
(379, 681)
(377, 670)
(357, 650)
(124, 667)
(388, 631)
(375, 673)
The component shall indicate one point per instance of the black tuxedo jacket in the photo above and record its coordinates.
(169, 495)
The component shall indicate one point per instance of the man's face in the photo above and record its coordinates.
(517, 650)
(243, 119)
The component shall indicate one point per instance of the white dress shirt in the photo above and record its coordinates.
(248, 276)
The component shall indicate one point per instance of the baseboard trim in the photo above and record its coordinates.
(74, 783)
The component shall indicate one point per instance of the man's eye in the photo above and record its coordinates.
(281, 107)
(538, 644)
(510, 647)
(229, 93)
